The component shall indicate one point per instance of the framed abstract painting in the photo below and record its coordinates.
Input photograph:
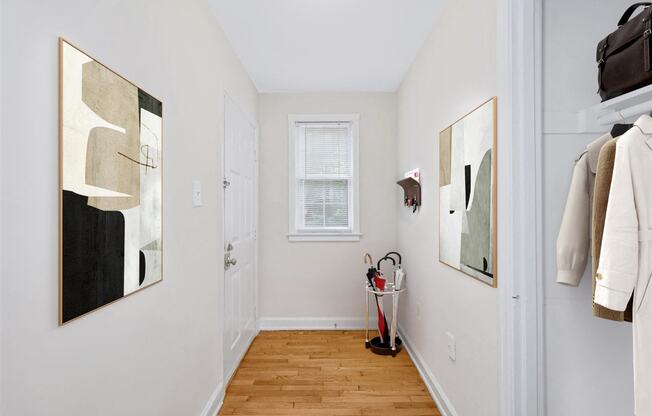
(110, 236)
(468, 194)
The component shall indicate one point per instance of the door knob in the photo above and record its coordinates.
(229, 261)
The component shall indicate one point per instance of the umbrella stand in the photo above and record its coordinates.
(387, 342)
(377, 344)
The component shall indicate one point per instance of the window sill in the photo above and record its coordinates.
(323, 237)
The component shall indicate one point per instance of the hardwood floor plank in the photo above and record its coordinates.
(324, 373)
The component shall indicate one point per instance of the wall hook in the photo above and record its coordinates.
(412, 192)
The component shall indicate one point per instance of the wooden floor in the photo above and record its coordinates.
(324, 373)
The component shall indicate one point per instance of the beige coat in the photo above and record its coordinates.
(603, 175)
(574, 239)
(626, 255)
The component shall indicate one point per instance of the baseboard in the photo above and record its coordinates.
(214, 402)
(312, 324)
(443, 402)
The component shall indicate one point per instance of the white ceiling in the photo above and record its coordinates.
(326, 45)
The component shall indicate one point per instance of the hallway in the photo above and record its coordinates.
(324, 373)
(205, 203)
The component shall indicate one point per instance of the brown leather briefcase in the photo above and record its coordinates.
(624, 57)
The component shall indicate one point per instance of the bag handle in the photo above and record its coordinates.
(630, 11)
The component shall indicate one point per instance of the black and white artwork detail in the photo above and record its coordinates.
(110, 184)
(467, 194)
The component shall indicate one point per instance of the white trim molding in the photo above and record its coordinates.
(520, 293)
(324, 237)
(353, 234)
(444, 405)
(215, 402)
(313, 324)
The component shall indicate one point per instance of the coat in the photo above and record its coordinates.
(574, 239)
(603, 175)
(626, 256)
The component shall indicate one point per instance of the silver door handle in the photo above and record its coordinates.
(229, 261)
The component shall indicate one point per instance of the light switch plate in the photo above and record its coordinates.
(196, 193)
(451, 346)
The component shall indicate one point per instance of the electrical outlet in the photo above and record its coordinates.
(451, 346)
(418, 310)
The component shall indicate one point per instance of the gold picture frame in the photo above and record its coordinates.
(468, 194)
(88, 120)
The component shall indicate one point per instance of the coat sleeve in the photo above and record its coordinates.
(573, 241)
(618, 267)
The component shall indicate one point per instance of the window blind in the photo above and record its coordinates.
(324, 174)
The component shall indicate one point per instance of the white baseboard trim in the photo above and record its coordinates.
(443, 402)
(214, 402)
(312, 324)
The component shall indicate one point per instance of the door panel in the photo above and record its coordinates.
(239, 234)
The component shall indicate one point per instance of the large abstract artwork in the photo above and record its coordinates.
(467, 194)
(110, 184)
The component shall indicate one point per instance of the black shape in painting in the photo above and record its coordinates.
(93, 264)
(467, 184)
(149, 103)
(486, 273)
(143, 267)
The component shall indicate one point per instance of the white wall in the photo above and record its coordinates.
(321, 283)
(157, 352)
(588, 361)
(455, 71)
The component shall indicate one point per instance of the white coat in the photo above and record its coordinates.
(625, 260)
(574, 239)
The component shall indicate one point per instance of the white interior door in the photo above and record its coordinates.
(240, 195)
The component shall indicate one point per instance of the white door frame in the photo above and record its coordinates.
(521, 295)
(254, 123)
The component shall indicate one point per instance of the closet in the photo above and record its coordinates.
(587, 360)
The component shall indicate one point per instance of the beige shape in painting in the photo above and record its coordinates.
(77, 122)
(445, 157)
(107, 168)
(111, 160)
(110, 96)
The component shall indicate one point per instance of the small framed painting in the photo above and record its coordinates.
(468, 194)
(110, 237)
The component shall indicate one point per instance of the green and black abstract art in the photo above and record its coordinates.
(467, 194)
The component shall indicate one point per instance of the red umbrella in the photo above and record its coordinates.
(375, 278)
(380, 281)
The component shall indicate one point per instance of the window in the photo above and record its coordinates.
(323, 178)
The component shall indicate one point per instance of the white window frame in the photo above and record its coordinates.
(352, 234)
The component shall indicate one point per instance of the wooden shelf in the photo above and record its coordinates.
(412, 190)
